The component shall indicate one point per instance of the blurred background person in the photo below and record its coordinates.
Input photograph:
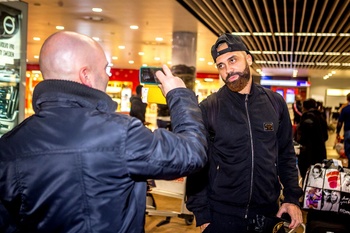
(344, 119)
(138, 108)
(312, 134)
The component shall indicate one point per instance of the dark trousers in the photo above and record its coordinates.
(222, 223)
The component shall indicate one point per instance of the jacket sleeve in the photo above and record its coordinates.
(197, 186)
(168, 155)
(287, 164)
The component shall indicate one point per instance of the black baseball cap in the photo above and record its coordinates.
(233, 42)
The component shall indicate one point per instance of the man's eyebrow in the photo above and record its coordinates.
(233, 56)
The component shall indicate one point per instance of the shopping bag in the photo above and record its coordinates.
(327, 187)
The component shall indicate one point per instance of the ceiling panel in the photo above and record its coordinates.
(275, 53)
(283, 34)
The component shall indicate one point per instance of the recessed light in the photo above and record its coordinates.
(96, 9)
(141, 53)
(134, 27)
(59, 27)
(36, 38)
(121, 47)
(131, 62)
(114, 58)
(159, 39)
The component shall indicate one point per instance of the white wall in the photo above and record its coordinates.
(319, 87)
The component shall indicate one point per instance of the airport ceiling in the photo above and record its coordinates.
(310, 36)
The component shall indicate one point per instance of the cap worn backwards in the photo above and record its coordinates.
(234, 43)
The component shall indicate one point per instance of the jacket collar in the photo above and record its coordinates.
(69, 91)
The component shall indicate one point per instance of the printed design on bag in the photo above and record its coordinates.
(345, 187)
(316, 176)
(344, 204)
(331, 199)
(327, 187)
(313, 197)
(332, 179)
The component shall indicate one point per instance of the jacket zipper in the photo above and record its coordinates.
(252, 154)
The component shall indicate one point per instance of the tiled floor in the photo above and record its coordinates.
(178, 225)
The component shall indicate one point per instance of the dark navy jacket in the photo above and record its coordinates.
(252, 149)
(78, 166)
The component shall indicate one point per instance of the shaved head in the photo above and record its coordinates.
(74, 57)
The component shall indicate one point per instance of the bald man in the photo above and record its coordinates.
(78, 166)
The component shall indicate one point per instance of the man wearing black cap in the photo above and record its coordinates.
(251, 153)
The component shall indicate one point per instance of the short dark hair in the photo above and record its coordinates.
(139, 89)
(348, 97)
(309, 104)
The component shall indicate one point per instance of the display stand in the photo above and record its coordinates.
(170, 188)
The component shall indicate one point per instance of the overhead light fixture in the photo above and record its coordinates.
(134, 27)
(121, 47)
(59, 27)
(131, 62)
(97, 9)
(295, 73)
(36, 38)
(159, 39)
(114, 58)
(141, 53)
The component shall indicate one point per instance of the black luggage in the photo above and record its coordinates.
(327, 222)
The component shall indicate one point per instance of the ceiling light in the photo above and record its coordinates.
(96, 38)
(201, 59)
(332, 53)
(306, 34)
(36, 56)
(159, 39)
(333, 72)
(131, 62)
(301, 53)
(241, 33)
(315, 53)
(208, 80)
(210, 63)
(157, 58)
(269, 52)
(262, 33)
(96, 9)
(285, 52)
(134, 27)
(260, 62)
(344, 34)
(345, 54)
(114, 58)
(284, 33)
(255, 52)
(345, 64)
(144, 65)
(334, 64)
(36, 38)
(59, 27)
(141, 53)
(121, 47)
(169, 63)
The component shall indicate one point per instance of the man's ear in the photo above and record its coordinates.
(84, 76)
(249, 59)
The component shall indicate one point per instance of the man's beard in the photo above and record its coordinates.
(241, 82)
